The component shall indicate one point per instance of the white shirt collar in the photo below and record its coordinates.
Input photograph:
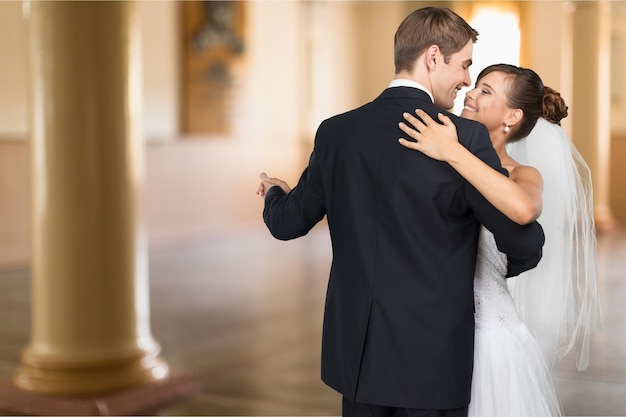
(402, 82)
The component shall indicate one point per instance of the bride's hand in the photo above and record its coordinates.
(438, 141)
(267, 182)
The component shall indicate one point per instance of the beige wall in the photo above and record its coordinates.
(14, 202)
(548, 51)
(304, 61)
(618, 67)
(193, 189)
(13, 70)
(161, 72)
(326, 57)
(160, 80)
(618, 176)
(618, 109)
(187, 178)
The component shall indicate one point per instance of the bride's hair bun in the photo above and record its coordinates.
(553, 108)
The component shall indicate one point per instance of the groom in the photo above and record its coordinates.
(398, 323)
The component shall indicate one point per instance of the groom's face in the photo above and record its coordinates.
(449, 77)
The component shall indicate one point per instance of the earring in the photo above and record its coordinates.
(507, 129)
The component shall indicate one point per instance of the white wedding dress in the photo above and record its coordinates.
(527, 323)
(511, 377)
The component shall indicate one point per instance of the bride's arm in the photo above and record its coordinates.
(517, 197)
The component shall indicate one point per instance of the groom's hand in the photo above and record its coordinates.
(267, 183)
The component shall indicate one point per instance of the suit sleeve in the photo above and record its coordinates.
(289, 216)
(521, 243)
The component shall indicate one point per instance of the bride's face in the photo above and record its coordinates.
(486, 103)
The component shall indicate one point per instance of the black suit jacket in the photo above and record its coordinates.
(398, 322)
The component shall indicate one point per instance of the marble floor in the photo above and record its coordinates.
(242, 312)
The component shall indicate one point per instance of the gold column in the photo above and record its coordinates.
(90, 313)
(591, 98)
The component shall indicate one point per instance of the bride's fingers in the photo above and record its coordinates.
(409, 144)
(413, 120)
(426, 119)
(408, 130)
(405, 128)
(444, 119)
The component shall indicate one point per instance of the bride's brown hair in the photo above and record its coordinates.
(553, 107)
(525, 91)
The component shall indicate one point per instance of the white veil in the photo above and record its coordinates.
(558, 300)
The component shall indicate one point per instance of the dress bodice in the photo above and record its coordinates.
(493, 302)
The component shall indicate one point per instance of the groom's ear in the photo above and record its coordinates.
(432, 55)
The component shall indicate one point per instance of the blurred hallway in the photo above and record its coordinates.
(243, 313)
(230, 304)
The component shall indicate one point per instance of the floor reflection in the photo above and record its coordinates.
(243, 312)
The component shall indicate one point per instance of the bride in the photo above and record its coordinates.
(525, 323)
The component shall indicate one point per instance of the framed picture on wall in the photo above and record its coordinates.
(213, 45)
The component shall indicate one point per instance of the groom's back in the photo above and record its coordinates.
(404, 243)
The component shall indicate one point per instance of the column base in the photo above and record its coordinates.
(130, 401)
(80, 375)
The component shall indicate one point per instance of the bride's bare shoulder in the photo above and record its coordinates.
(524, 173)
